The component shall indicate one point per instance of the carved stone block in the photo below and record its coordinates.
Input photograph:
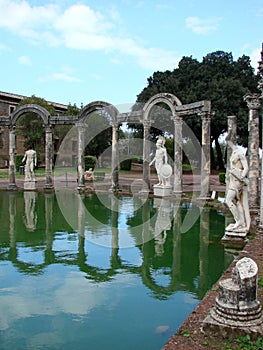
(237, 310)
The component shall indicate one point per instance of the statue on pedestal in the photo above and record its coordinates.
(163, 169)
(237, 196)
(30, 158)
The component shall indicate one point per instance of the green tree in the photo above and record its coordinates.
(30, 125)
(217, 78)
(98, 134)
(60, 131)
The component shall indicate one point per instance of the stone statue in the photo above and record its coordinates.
(161, 164)
(237, 197)
(30, 158)
(89, 175)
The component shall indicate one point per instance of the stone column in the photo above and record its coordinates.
(146, 153)
(253, 102)
(81, 167)
(232, 130)
(115, 158)
(260, 86)
(49, 179)
(178, 185)
(206, 158)
(12, 158)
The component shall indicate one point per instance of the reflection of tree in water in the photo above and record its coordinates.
(181, 265)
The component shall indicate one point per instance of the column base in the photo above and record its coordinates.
(162, 191)
(12, 187)
(30, 185)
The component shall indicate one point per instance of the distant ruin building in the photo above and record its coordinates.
(8, 104)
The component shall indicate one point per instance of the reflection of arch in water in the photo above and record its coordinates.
(196, 280)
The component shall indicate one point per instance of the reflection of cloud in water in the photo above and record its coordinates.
(190, 298)
(75, 295)
(48, 296)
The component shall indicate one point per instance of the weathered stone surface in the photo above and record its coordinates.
(30, 185)
(237, 308)
(162, 190)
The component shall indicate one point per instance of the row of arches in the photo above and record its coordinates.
(142, 116)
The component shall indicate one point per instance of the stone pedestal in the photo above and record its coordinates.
(162, 190)
(237, 308)
(30, 185)
(235, 239)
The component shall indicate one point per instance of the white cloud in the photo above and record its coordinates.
(78, 27)
(202, 26)
(25, 60)
(255, 58)
(21, 18)
(64, 77)
(2, 48)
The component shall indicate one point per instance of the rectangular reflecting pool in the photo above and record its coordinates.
(102, 272)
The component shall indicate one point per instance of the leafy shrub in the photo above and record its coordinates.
(222, 178)
(89, 162)
(126, 164)
(19, 163)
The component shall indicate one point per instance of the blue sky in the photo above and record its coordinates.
(83, 51)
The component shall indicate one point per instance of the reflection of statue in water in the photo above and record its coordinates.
(236, 197)
(162, 168)
(162, 224)
(30, 215)
(31, 160)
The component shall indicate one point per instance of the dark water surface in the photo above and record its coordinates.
(92, 286)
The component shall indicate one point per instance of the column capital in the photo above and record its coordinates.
(232, 117)
(12, 128)
(177, 119)
(147, 123)
(206, 116)
(48, 127)
(115, 124)
(252, 100)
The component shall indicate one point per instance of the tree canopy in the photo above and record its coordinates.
(31, 125)
(217, 78)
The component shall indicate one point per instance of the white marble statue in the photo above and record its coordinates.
(89, 175)
(161, 165)
(237, 196)
(30, 158)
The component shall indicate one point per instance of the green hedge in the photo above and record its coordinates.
(126, 164)
(19, 163)
(222, 178)
(90, 162)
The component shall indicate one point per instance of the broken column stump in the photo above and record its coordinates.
(237, 310)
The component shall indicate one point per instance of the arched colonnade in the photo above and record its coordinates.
(178, 112)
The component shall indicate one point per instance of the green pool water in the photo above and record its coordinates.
(120, 274)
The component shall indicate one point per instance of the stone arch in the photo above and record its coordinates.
(172, 101)
(98, 105)
(45, 116)
(113, 112)
(40, 111)
(179, 111)
(169, 99)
